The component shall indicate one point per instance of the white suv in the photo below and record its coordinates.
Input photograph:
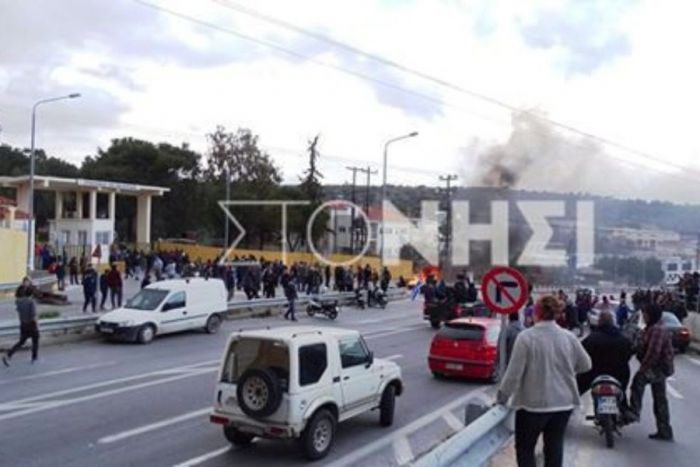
(299, 382)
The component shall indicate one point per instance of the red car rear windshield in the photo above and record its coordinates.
(462, 332)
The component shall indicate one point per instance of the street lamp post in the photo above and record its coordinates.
(30, 222)
(386, 151)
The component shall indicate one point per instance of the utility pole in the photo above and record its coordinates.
(448, 179)
(369, 173)
(352, 210)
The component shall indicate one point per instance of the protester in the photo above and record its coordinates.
(512, 330)
(291, 293)
(28, 326)
(610, 353)
(60, 275)
(114, 281)
(90, 288)
(656, 364)
(622, 312)
(104, 288)
(73, 271)
(543, 407)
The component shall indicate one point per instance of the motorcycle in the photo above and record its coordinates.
(607, 407)
(359, 299)
(377, 298)
(328, 308)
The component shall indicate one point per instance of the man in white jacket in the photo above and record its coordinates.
(540, 382)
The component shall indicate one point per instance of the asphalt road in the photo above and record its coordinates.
(96, 403)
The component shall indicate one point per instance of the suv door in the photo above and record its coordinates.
(358, 381)
(173, 315)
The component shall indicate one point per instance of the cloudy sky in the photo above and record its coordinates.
(623, 70)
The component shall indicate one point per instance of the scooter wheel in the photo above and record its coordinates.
(310, 311)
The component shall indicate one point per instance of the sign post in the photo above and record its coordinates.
(504, 291)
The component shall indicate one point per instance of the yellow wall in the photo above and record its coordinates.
(405, 268)
(13, 251)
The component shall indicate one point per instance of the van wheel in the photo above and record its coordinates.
(386, 406)
(146, 334)
(237, 437)
(317, 439)
(213, 324)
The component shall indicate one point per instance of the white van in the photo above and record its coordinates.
(167, 306)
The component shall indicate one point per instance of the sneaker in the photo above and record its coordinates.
(6, 360)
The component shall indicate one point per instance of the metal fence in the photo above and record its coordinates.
(80, 323)
(474, 445)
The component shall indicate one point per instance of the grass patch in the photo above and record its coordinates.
(53, 314)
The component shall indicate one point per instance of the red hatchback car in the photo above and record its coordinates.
(466, 347)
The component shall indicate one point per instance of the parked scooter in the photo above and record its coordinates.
(607, 407)
(329, 308)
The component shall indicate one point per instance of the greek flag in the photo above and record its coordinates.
(416, 290)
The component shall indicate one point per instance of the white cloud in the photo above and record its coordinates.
(150, 75)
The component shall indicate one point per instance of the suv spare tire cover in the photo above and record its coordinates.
(259, 392)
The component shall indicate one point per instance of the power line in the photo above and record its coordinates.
(366, 77)
(442, 82)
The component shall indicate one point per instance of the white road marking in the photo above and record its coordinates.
(673, 391)
(358, 454)
(58, 372)
(48, 405)
(154, 426)
(205, 457)
(178, 370)
(453, 421)
(392, 332)
(402, 451)
(693, 360)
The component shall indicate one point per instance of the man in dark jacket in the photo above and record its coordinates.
(90, 288)
(28, 327)
(610, 353)
(104, 287)
(114, 281)
(290, 291)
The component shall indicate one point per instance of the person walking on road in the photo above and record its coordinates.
(655, 355)
(104, 288)
(73, 270)
(28, 326)
(514, 328)
(90, 288)
(290, 291)
(543, 407)
(114, 281)
(61, 274)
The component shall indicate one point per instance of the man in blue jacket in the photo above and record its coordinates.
(90, 288)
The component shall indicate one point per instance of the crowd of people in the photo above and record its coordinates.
(257, 277)
(541, 346)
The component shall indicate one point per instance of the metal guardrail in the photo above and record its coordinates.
(474, 445)
(66, 325)
(41, 281)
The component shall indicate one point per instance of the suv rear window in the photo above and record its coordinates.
(462, 332)
(248, 353)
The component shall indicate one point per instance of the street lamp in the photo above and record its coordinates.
(386, 150)
(30, 225)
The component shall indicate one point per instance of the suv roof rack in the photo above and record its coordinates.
(306, 332)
